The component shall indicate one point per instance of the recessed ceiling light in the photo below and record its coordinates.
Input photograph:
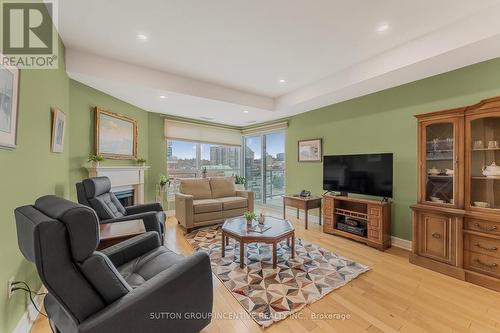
(142, 37)
(163, 97)
(282, 80)
(383, 27)
(245, 111)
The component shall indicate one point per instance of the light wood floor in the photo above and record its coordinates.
(394, 296)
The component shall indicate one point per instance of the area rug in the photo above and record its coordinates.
(268, 294)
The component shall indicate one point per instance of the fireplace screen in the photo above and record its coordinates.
(125, 197)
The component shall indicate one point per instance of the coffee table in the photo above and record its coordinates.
(236, 228)
(113, 233)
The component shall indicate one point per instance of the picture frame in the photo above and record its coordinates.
(310, 150)
(58, 130)
(115, 135)
(9, 101)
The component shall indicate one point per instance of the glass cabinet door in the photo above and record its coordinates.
(484, 154)
(439, 163)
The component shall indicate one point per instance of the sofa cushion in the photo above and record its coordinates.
(233, 212)
(233, 202)
(207, 216)
(197, 187)
(222, 187)
(206, 206)
(145, 267)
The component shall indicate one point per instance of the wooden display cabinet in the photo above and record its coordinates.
(456, 222)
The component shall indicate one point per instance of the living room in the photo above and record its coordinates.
(244, 167)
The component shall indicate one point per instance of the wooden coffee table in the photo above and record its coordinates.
(113, 233)
(236, 228)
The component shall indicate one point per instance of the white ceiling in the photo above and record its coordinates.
(217, 58)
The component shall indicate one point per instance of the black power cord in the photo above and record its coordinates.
(30, 293)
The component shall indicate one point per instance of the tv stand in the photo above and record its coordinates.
(363, 220)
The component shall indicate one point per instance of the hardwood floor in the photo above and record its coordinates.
(395, 296)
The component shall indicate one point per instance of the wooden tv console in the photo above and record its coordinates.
(376, 214)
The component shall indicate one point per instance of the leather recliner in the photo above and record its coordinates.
(96, 194)
(134, 286)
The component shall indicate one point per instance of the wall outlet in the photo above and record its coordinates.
(9, 287)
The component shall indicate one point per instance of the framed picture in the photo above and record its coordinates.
(115, 135)
(58, 130)
(9, 96)
(310, 150)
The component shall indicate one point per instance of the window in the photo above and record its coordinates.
(188, 159)
(266, 176)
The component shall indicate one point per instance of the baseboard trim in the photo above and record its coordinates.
(29, 317)
(401, 243)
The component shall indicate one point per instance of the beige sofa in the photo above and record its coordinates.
(202, 202)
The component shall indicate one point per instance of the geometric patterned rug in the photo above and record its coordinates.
(268, 294)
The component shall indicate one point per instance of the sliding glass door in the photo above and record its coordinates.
(253, 165)
(265, 166)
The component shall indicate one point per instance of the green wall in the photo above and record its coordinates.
(28, 172)
(83, 100)
(384, 122)
(157, 153)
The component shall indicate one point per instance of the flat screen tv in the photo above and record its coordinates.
(369, 174)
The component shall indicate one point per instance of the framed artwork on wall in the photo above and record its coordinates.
(9, 96)
(115, 135)
(310, 150)
(58, 130)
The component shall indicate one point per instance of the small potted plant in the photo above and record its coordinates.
(141, 161)
(249, 216)
(240, 182)
(95, 160)
(163, 180)
(204, 172)
(162, 183)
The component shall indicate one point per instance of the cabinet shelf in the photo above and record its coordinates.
(439, 159)
(440, 176)
(485, 178)
(485, 149)
(440, 151)
(351, 213)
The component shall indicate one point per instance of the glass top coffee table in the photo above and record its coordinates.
(279, 230)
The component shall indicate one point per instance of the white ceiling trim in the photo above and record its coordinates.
(78, 62)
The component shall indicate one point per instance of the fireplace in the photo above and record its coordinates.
(129, 179)
(125, 197)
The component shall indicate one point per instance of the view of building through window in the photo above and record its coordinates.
(188, 159)
(266, 178)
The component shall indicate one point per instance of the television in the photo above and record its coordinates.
(369, 174)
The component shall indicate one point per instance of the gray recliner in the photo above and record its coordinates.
(134, 286)
(96, 194)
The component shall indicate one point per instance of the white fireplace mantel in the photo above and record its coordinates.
(123, 178)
